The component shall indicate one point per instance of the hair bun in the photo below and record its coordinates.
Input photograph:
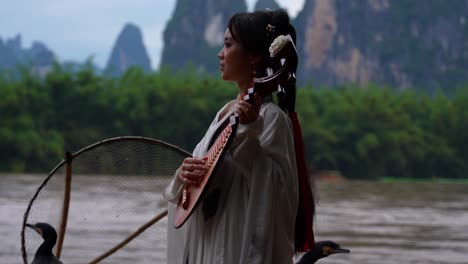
(280, 19)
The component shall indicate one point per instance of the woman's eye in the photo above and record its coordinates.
(227, 44)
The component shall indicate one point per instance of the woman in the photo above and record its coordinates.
(248, 214)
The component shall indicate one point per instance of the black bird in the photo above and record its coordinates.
(321, 249)
(44, 252)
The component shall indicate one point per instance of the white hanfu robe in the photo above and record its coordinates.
(253, 198)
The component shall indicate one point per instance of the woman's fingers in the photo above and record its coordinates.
(193, 175)
(192, 167)
(194, 161)
(191, 164)
(193, 178)
(192, 170)
(248, 112)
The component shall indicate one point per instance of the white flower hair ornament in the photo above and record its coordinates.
(277, 45)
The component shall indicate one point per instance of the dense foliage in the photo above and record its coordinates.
(363, 132)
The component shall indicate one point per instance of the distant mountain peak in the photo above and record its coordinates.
(14, 43)
(12, 54)
(129, 50)
(131, 30)
(195, 33)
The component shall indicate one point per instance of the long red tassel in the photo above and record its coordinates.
(304, 220)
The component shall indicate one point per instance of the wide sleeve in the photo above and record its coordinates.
(177, 238)
(268, 139)
(174, 189)
(263, 151)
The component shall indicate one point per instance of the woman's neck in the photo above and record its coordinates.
(243, 87)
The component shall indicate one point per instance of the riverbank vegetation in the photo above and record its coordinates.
(363, 132)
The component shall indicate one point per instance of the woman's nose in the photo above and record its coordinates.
(220, 54)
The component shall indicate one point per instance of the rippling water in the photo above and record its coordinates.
(379, 222)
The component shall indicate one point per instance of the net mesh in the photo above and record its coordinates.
(116, 187)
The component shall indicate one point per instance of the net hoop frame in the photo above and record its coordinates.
(70, 156)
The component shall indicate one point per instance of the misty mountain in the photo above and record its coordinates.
(399, 43)
(38, 56)
(195, 33)
(128, 51)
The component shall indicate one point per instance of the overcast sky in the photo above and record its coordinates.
(75, 30)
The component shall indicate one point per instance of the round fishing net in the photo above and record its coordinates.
(100, 197)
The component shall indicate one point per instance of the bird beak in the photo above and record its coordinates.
(33, 227)
(340, 250)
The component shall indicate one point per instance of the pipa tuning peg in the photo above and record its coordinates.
(283, 60)
(280, 89)
(292, 76)
(269, 71)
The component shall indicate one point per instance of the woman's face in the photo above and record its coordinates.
(235, 63)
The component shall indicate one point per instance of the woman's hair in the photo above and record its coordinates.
(250, 29)
(255, 31)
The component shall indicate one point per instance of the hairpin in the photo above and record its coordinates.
(270, 29)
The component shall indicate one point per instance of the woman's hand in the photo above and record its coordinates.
(248, 112)
(191, 171)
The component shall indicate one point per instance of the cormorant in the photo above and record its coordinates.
(44, 252)
(321, 249)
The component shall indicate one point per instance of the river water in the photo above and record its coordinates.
(379, 222)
